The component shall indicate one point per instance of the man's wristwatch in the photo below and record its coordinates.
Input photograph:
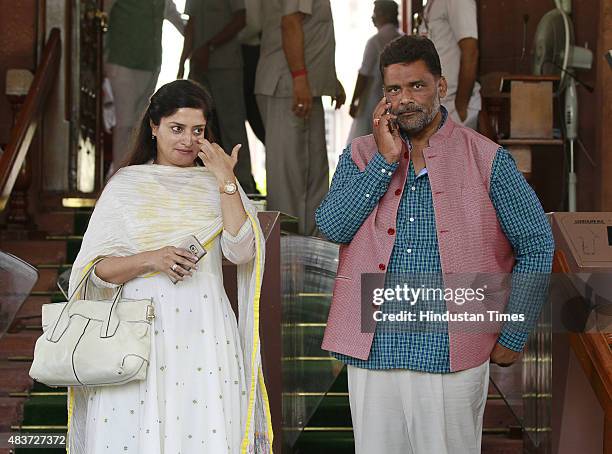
(228, 187)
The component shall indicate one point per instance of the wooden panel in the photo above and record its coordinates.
(29, 115)
(501, 33)
(18, 37)
(522, 157)
(531, 113)
(588, 28)
(602, 117)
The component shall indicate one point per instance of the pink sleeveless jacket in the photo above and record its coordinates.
(470, 239)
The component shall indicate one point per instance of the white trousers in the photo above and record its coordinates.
(297, 171)
(400, 411)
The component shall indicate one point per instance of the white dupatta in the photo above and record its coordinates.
(146, 207)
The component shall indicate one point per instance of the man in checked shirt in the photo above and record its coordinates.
(424, 194)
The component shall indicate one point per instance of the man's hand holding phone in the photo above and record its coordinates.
(386, 132)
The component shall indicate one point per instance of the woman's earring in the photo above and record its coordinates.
(153, 137)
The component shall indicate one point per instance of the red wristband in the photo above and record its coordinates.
(299, 72)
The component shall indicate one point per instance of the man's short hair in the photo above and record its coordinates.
(389, 9)
(408, 49)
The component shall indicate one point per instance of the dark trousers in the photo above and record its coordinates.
(250, 57)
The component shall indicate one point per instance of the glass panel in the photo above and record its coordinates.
(17, 278)
(308, 271)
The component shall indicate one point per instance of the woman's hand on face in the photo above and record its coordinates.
(218, 161)
(173, 261)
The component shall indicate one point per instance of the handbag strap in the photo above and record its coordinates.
(85, 277)
(62, 321)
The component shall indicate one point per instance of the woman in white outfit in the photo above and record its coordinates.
(204, 389)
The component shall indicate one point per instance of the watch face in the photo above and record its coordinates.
(230, 188)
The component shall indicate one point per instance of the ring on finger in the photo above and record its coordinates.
(174, 267)
(376, 121)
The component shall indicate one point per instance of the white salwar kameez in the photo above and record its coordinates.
(204, 389)
(191, 400)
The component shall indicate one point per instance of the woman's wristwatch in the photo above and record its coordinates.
(228, 187)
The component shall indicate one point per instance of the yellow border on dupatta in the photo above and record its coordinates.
(264, 393)
(256, 298)
(70, 407)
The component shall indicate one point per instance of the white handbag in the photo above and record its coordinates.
(93, 343)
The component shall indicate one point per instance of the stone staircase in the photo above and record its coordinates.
(29, 406)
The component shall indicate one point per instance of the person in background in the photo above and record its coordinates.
(133, 51)
(211, 45)
(368, 88)
(453, 27)
(250, 40)
(296, 68)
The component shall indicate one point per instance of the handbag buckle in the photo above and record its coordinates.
(150, 313)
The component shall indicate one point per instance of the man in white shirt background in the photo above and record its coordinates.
(296, 69)
(211, 44)
(368, 88)
(453, 27)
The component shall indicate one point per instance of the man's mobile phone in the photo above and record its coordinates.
(393, 126)
(192, 244)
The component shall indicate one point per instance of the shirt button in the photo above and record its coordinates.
(411, 219)
(398, 192)
(391, 231)
(367, 195)
(383, 170)
(390, 173)
(413, 188)
(382, 267)
(408, 250)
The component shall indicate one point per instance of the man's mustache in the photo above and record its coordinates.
(410, 109)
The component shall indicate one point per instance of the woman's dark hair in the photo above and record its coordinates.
(408, 49)
(165, 102)
(389, 9)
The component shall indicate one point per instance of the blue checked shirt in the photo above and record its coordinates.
(354, 194)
